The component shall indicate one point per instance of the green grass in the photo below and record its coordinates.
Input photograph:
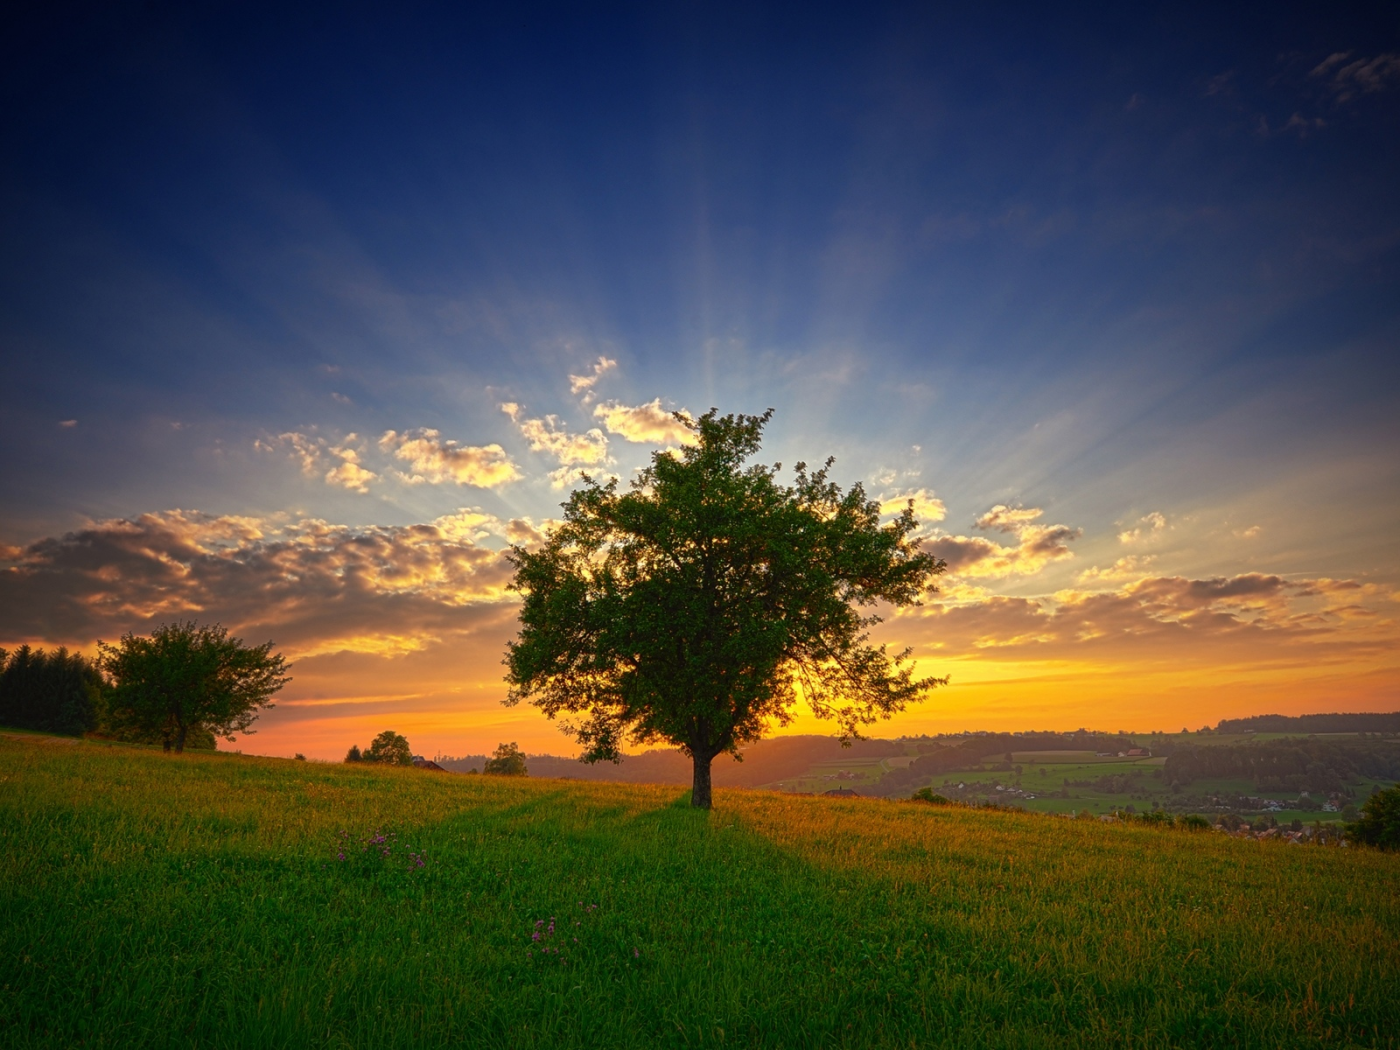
(157, 900)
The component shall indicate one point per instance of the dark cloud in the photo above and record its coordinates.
(1245, 617)
(315, 587)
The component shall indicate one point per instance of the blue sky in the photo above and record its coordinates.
(1105, 264)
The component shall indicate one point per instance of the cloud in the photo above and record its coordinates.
(1036, 545)
(525, 532)
(314, 587)
(548, 435)
(1146, 526)
(349, 474)
(1362, 76)
(585, 383)
(69, 423)
(1131, 567)
(648, 423)
(1247, 617)
(928, 508)
(305, 447)
(433, 459)
(1249, 533)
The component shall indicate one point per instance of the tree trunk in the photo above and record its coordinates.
(180, 740)
(700, 791)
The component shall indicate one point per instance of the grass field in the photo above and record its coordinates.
(156, 900)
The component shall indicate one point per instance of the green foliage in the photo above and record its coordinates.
(202, 903)
(508, 761)
(1380, 821)
(695, 608)
(52, 692)
(1285, 765)
(185, 680)
(388, 748)
(1193, 822)
(927, 795)
(353, 755)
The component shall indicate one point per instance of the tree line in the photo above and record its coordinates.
(182, 686)
(1286, 765)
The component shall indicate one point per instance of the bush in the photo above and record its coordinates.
(1194, 822)
(1379, 825)
(927, 795)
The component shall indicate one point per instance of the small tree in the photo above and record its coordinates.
(696, 608)
(1380, 820)
(390, 748)
(508, 761)
(186, 680)
(353, 755)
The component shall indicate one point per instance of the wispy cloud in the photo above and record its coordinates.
(1249, 617)
(584, 384)
(1149, 525)
(433, 459)
(928, 508)
(573, 452)
(645, 424)
(1347, 78)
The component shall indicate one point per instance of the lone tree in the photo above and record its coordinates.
(696, 608)
(508, 761)
(186, 680)
(389, 748)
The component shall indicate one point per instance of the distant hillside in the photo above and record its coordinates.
(785, 757)
(1335, 723)
(764, 762)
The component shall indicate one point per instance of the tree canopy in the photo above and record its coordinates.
(508, 761)
(697, 607)
(186, 680)
(53, 692)
(390, 748)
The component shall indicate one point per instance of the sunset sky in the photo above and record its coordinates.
(305, 316)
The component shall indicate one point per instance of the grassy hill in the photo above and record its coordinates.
(202, 900)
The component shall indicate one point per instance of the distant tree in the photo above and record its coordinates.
(53, 692)
(508, 761)
(299, 757)
(927, 794)
(185, 680)
(353, 755)
(1380, 821)
(697, 607)
(389, 748)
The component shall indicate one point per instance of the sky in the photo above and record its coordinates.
(305, 314)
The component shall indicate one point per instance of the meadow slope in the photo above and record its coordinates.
(201, 900)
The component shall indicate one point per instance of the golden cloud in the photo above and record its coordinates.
(928, 508)
(314, 586)
(1243, 618)
(549, 436)
(433, 459)
(645, 424)
(1146, 526)
(1036, 545)
(583, 383)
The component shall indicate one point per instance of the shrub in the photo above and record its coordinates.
(927, 795)
(1194, 822)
